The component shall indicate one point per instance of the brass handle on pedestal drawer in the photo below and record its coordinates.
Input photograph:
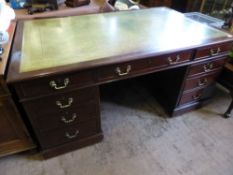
(202, 82)
(66, 121)
(175, 61)
(70, 101)
(196, 97)
(207, 67)
(69, 136)
(214, 53)
(120, 73)
(54, 85)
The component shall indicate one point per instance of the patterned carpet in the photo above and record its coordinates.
(140, 141)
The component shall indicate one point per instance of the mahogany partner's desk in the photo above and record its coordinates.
(58, 64)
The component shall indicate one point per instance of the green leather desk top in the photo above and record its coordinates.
(49, 43)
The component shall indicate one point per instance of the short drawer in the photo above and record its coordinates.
(122, 70)
(62, 102)
(213, 50)
(191, 96)
(171, 59)
(66, 118)
(207, 66)
(200, 81)
(53, 84)
(69, 134)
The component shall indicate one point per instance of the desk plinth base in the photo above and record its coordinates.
(189, 107)
(71, 146)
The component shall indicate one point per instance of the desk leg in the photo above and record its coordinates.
(227, 114)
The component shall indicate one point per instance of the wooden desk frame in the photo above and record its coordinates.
(199, 66)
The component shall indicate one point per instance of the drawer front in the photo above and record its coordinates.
(66, 118)
(200, 81)
(61, 102)
(206, 67)
(69, 134)
(119, 71)
(171, 59)
(59, 83)
(213, 50)
(191, 96)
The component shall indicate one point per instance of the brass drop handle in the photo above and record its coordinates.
(202, 82)
(208, 67)
(120, 73)
(67, 121)
(54, 85)
(174, 61)
(62, 106)
(215, 52)
(197, 96)
(72, 136)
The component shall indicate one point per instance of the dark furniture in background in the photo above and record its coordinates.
(62, 102)
(156, 3)
(14, 136)
(226, 79)
(210, 7)
(76, 3)
(179, 5)
(97, 6)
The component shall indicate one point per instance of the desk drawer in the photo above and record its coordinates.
(171, 59)
(191, 96)
(66, 118)
(207, 66)
(200, 81)
(54, 84)
(213, 50)
(61, 102)
(122, 70)
(69, 134)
